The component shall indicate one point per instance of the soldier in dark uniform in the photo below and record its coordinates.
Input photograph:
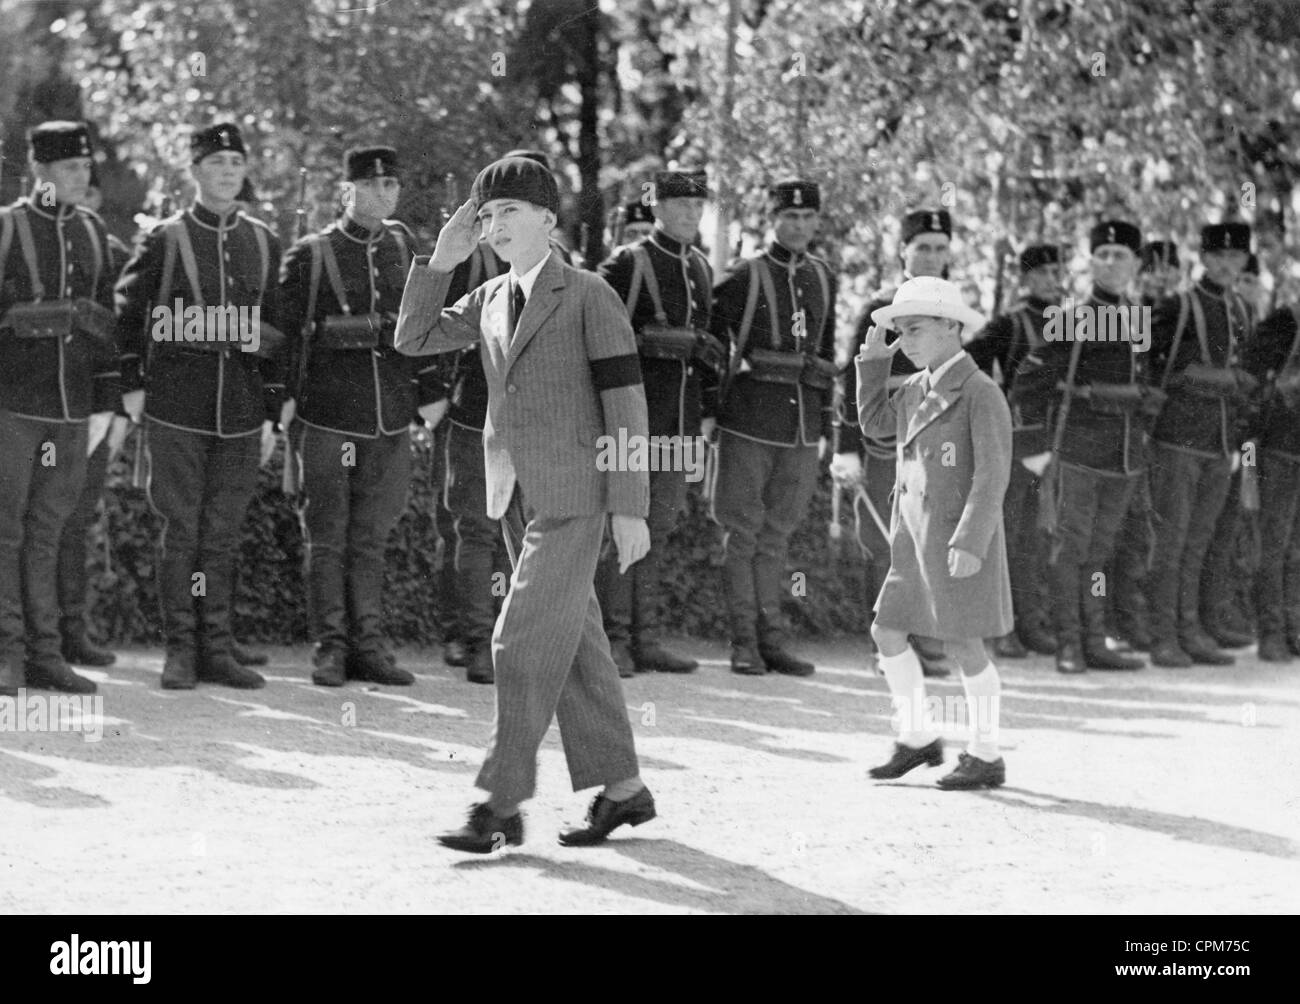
(667, 285)
(209, 379)
(1090, 394)
(778, 311)
(638, 221)
(1198, 337)
(1274, 356)
(1007, 340)
(354, 397)
(925, 249)
(58, 378)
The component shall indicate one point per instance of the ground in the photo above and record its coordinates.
(1166, 791)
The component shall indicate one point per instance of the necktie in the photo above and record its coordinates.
(516, 306)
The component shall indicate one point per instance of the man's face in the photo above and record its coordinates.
(1223, 267)
(1113, 267)
(1252, 291)
(927, 254)
(1160, 280)
(927, 339)
(373, 198)
(514, 229)
(680, 218)
(220, 176)
(635, 231)
(795, 228)
(1044, 283)
(62, 180)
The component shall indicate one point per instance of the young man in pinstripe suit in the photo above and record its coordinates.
(562, 371)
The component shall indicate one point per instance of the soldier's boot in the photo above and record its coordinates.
(376, 666)
(1202, 649)
(50, 672)
(247, 656)
(480, 665)
(745, 659)
(771, 641)
(1273, 648)
(13, 676)
(1037, 637)
(1007, 646)
(1134, 629)
(651, 657)
(330, 667)
(1069, 655)
(76, 646)
(1096, 655)
(1226, 627)
(219, 667)
(178, 670)
(621, 652)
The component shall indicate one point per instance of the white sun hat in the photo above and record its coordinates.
(929, 296)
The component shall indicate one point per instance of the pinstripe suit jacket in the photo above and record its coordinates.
(569, 376)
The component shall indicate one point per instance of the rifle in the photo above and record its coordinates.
(1050, 493)
(290, 483)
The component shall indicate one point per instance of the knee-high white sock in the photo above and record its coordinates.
(907, 688)
(983, 700)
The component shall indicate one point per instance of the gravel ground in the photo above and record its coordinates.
(1160, 791)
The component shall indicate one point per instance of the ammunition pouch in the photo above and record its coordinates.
(1113, 398)
(1215, 382)
(818, 373)
(60, 319)
(767, 366)
(342, 332)
(710, 351)
(1153, 402)
(661, 341)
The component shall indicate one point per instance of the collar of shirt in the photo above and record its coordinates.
(528, 278)
(59, 211)
(665, 243)
(1213, 288)
(936, 375)
(779, 252)
(206, 217)
(1105, 295)
(351, 228)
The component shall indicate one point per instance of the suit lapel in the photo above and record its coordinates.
(540, 306)
(941, 397)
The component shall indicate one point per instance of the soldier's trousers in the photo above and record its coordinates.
(353, 493)
(1187, 494)
(762, 494)
(1092, 505)
(629, 603)
(72, 547)
(1219, 573)
(44, 469)
(446, 613)
(1127, 578)
(475, 538)
(1277, 583)
(200, 485)
(1026, 548)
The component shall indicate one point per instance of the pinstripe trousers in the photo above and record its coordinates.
(551, 660)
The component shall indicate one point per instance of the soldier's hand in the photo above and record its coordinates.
(1236, 461)
(287, 411)
(874, 347)
(962, 564)
(133, 404)
(457, 239)
(631, 539)
(97, 429)
(117, 435)
(432, 413)
(268, 443)
(708, 426)
(1036, 464)
(846, 468)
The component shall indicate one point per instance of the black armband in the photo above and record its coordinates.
(616, 371)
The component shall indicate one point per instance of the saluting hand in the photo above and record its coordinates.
(457, 239)
(874, 347)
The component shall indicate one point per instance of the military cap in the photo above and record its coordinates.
(925, 221)
(1038, 255)
(637, 211)
(1115, 232)
(1225, 237)
(62, 140)
(1159, 253)
(362, 162)
(794, 194)
(681, 185)
(222, 137)
(536, 155)
(516, 178)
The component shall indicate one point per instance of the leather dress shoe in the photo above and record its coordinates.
(1226, 636)
(480, 665)
(972, 772)
(485, 832)
(1273, 648)
(454, 653)
(331, 668)
(745, 660)
(221, 668)
(248, 657)
(178, 671)
(13, 677)
(1170, 655)
(652, 657)
(778, 660)
(905, 758)
(378, 667)
(1009, 646)
(621, 653)
(80, 651)
(1097, 656)
(605, 815)
(1070, 659)
(1202, 650)
(1038, 639)
(52, 673)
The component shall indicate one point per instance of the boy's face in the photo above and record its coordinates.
(1044, 283)
(795, 228)
(1223, 267)
(220, 176)
(928, 339)
(373, 197)
(927, 254)
(680, 218)
(64, 180)
(1113, 267)
(514, 229)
